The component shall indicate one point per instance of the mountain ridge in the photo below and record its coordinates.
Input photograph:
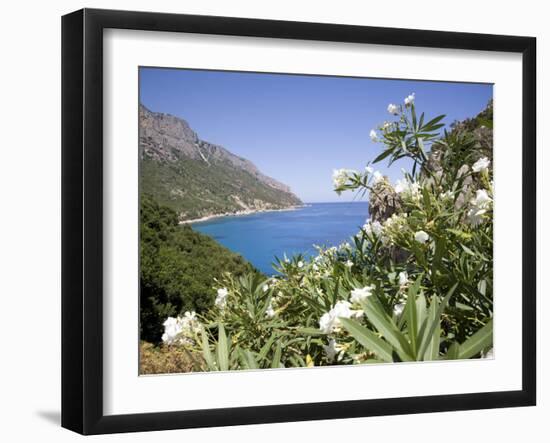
(201, 179)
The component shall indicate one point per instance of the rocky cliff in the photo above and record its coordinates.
(197, 178)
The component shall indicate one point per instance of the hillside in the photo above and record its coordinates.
(178, 267)
(196, 178)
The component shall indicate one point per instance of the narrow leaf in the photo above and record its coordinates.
(384, 324)
(477, 342)
(436, 320)
(368, 339)
(276, 363)
(223, 353)
(453, 352)
(208, 358)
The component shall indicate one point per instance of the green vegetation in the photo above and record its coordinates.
(194, 188)
(177, 269)
(415, 283)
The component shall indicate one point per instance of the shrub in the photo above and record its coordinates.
(415, 283)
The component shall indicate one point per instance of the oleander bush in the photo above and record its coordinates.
(415, 283)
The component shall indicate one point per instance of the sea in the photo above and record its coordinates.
(262, 236)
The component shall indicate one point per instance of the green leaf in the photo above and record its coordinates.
(309, 331)
(223, 352)
(422, 315)
(432, 350)
(467, 250)
(429, 126)
(383, 155)
(440, 248)
(421, 121)
(368, 339)
(276, 363)
(412, 315)
(265, 348)
(476, 343)
(453, 352)
(426, 198)
(248, 360)
(384, 324)
(436, 319)
(208, 358)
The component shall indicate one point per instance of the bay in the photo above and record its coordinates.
(261, 237)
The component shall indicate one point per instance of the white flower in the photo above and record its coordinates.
(221, 298)
(349, 264)
(180, 330)
(421, 237)
(359, 295)
(377, 177)
(463, 170)
(409, 100)
(300, 264)
(315, 267)
(265, 288)
(403, 278)
(386, 126)
(393, 109)
(371, 228)
(357, 313)
(373, 135)
(377, 228)
(481, 165)
(475, 216)
(171, 330)
(340, 176)
(398, 309)
(270, 312)
(369, 169)
(480, 205)
(344, 246)
(447, 195)
(407, 188)
(330, 321)
(482, 199)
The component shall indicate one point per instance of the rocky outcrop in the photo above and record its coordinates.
(169, 138)
(383, 201)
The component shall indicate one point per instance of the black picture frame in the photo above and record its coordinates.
(82, 219)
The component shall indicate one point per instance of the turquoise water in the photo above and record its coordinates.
(260, 237)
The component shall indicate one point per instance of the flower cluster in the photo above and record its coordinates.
(480, 204)
(359, 295)
(409, 100)
(373, 228)
(330, 321)
(221, 298)
(181, 330)
(482, 165)
(340, 177)
(408, 189)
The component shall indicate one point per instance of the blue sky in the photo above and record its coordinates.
(297, 128)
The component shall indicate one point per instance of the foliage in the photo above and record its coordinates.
(417, 285)
(177, 268)
(194, 188)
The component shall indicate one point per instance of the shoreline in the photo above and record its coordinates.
(239, 214)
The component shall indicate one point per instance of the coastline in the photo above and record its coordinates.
(239, 214)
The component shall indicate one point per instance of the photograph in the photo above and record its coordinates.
(300, 221)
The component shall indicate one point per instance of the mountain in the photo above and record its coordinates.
(199, 179)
